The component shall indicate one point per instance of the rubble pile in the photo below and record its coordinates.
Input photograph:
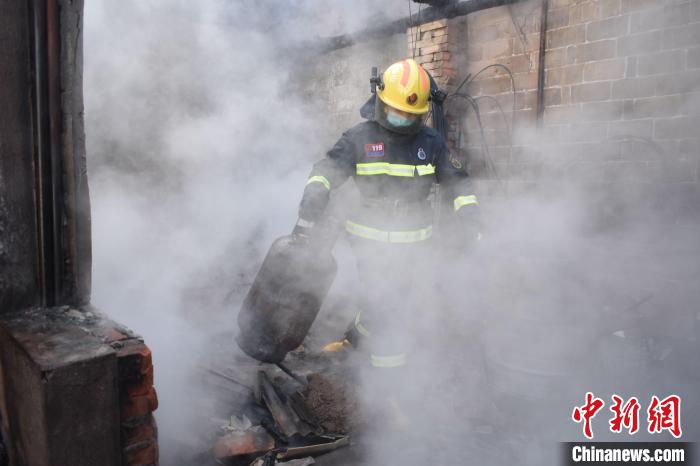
(291, 415)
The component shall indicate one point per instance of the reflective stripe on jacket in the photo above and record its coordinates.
(388, 168)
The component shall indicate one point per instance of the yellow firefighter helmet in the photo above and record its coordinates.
(406, 87)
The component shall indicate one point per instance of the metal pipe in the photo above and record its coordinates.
(540, 69)
(61, 195)
(47, 158)
(39, 118)
(53, 71)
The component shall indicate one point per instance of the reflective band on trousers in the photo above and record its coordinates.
(393, 169)
(461, 201)
(410, 236)
(362, 330)
(395, 360)
(319, 179)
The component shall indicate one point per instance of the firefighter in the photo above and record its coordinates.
(395, 159)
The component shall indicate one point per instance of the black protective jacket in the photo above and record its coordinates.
(394, 174)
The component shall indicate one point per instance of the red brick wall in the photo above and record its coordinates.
(137, 396)
(622, 82)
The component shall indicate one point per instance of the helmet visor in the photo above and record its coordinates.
(396, 120)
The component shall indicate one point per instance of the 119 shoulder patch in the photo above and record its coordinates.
(375, 149)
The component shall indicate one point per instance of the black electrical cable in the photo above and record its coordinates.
(478, 115)
(500, 110)
(437, 111)
(466, 81)
(503, 116)
(462, 83)
(495, 65)
(439, 123)
(512, 85)
(488, 159)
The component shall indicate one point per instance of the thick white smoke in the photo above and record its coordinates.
(198, 156)
(198, 151)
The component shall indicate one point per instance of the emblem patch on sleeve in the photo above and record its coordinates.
(375, 149)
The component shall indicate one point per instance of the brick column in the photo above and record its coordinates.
(76, 388)
(137, 396)
(438, 46)
(430, 42)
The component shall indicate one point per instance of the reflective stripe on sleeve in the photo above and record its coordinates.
(425, 169)
(409, 236)
(305, 223)
(319, 179)
(395, 360)
(359, 327)
(393, 169)
(461, 201)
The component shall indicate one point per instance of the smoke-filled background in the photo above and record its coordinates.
(202, 125)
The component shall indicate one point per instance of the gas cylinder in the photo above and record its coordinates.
(285, 297)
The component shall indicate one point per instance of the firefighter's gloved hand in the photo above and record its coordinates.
(468, 226)
(462, 237)
(472, 238)
(302, 230)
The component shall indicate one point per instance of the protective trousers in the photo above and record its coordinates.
(390, 274)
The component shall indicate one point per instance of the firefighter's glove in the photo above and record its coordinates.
(462, 236)
(302, 230)
(469, 237)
